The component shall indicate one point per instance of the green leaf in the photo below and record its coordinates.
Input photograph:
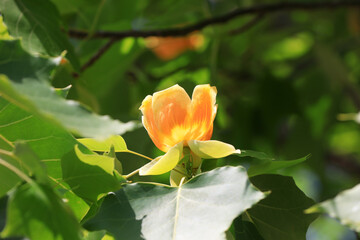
(202, 208)
(266, 166)
(27, 87)
(89, 174)
(38, 213)
(281, 215)
(17, 165)
(31, 161)
(46, 140)
(345, 207)
(261, 163)
(104, 145)
(37, 23)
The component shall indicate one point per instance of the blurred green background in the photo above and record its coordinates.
(282, 83)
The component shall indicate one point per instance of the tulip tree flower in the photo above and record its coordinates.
(182, 127)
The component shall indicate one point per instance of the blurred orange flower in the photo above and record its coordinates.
(174, 121)
(167, 48)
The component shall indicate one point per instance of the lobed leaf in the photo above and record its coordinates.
(202, 208)
(281, 215)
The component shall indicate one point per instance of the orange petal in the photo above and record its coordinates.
(149, 123)
(203, 110)
(171, 114)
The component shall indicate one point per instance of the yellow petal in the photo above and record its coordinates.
(211, 148)
(164, 163)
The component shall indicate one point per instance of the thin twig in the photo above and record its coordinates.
(139, 154)
(247, 25)
(182, 31)
(345, 162)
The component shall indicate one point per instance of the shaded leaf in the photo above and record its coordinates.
(261, 163)
(37, 23)
(281, 215)
(344, 207)
(266, 166)
(27, 87)
(254, 154)
(245, 230)
(117, 217)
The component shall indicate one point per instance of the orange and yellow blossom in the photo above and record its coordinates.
(174, 121)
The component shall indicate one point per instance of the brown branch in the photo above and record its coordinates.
(347, 163)
(182, 31)
(247, 25)
(98, 54)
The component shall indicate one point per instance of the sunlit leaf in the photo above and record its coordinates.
(46, 140)
(26, 86)
(104, 145)
(344, 207)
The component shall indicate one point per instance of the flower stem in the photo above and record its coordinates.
(139, 154)
(132, 173)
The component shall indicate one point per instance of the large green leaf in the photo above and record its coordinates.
(202, 208)
(281, 215)
(37, 212)
(26, 86)
(344, 207)
(37, 23)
